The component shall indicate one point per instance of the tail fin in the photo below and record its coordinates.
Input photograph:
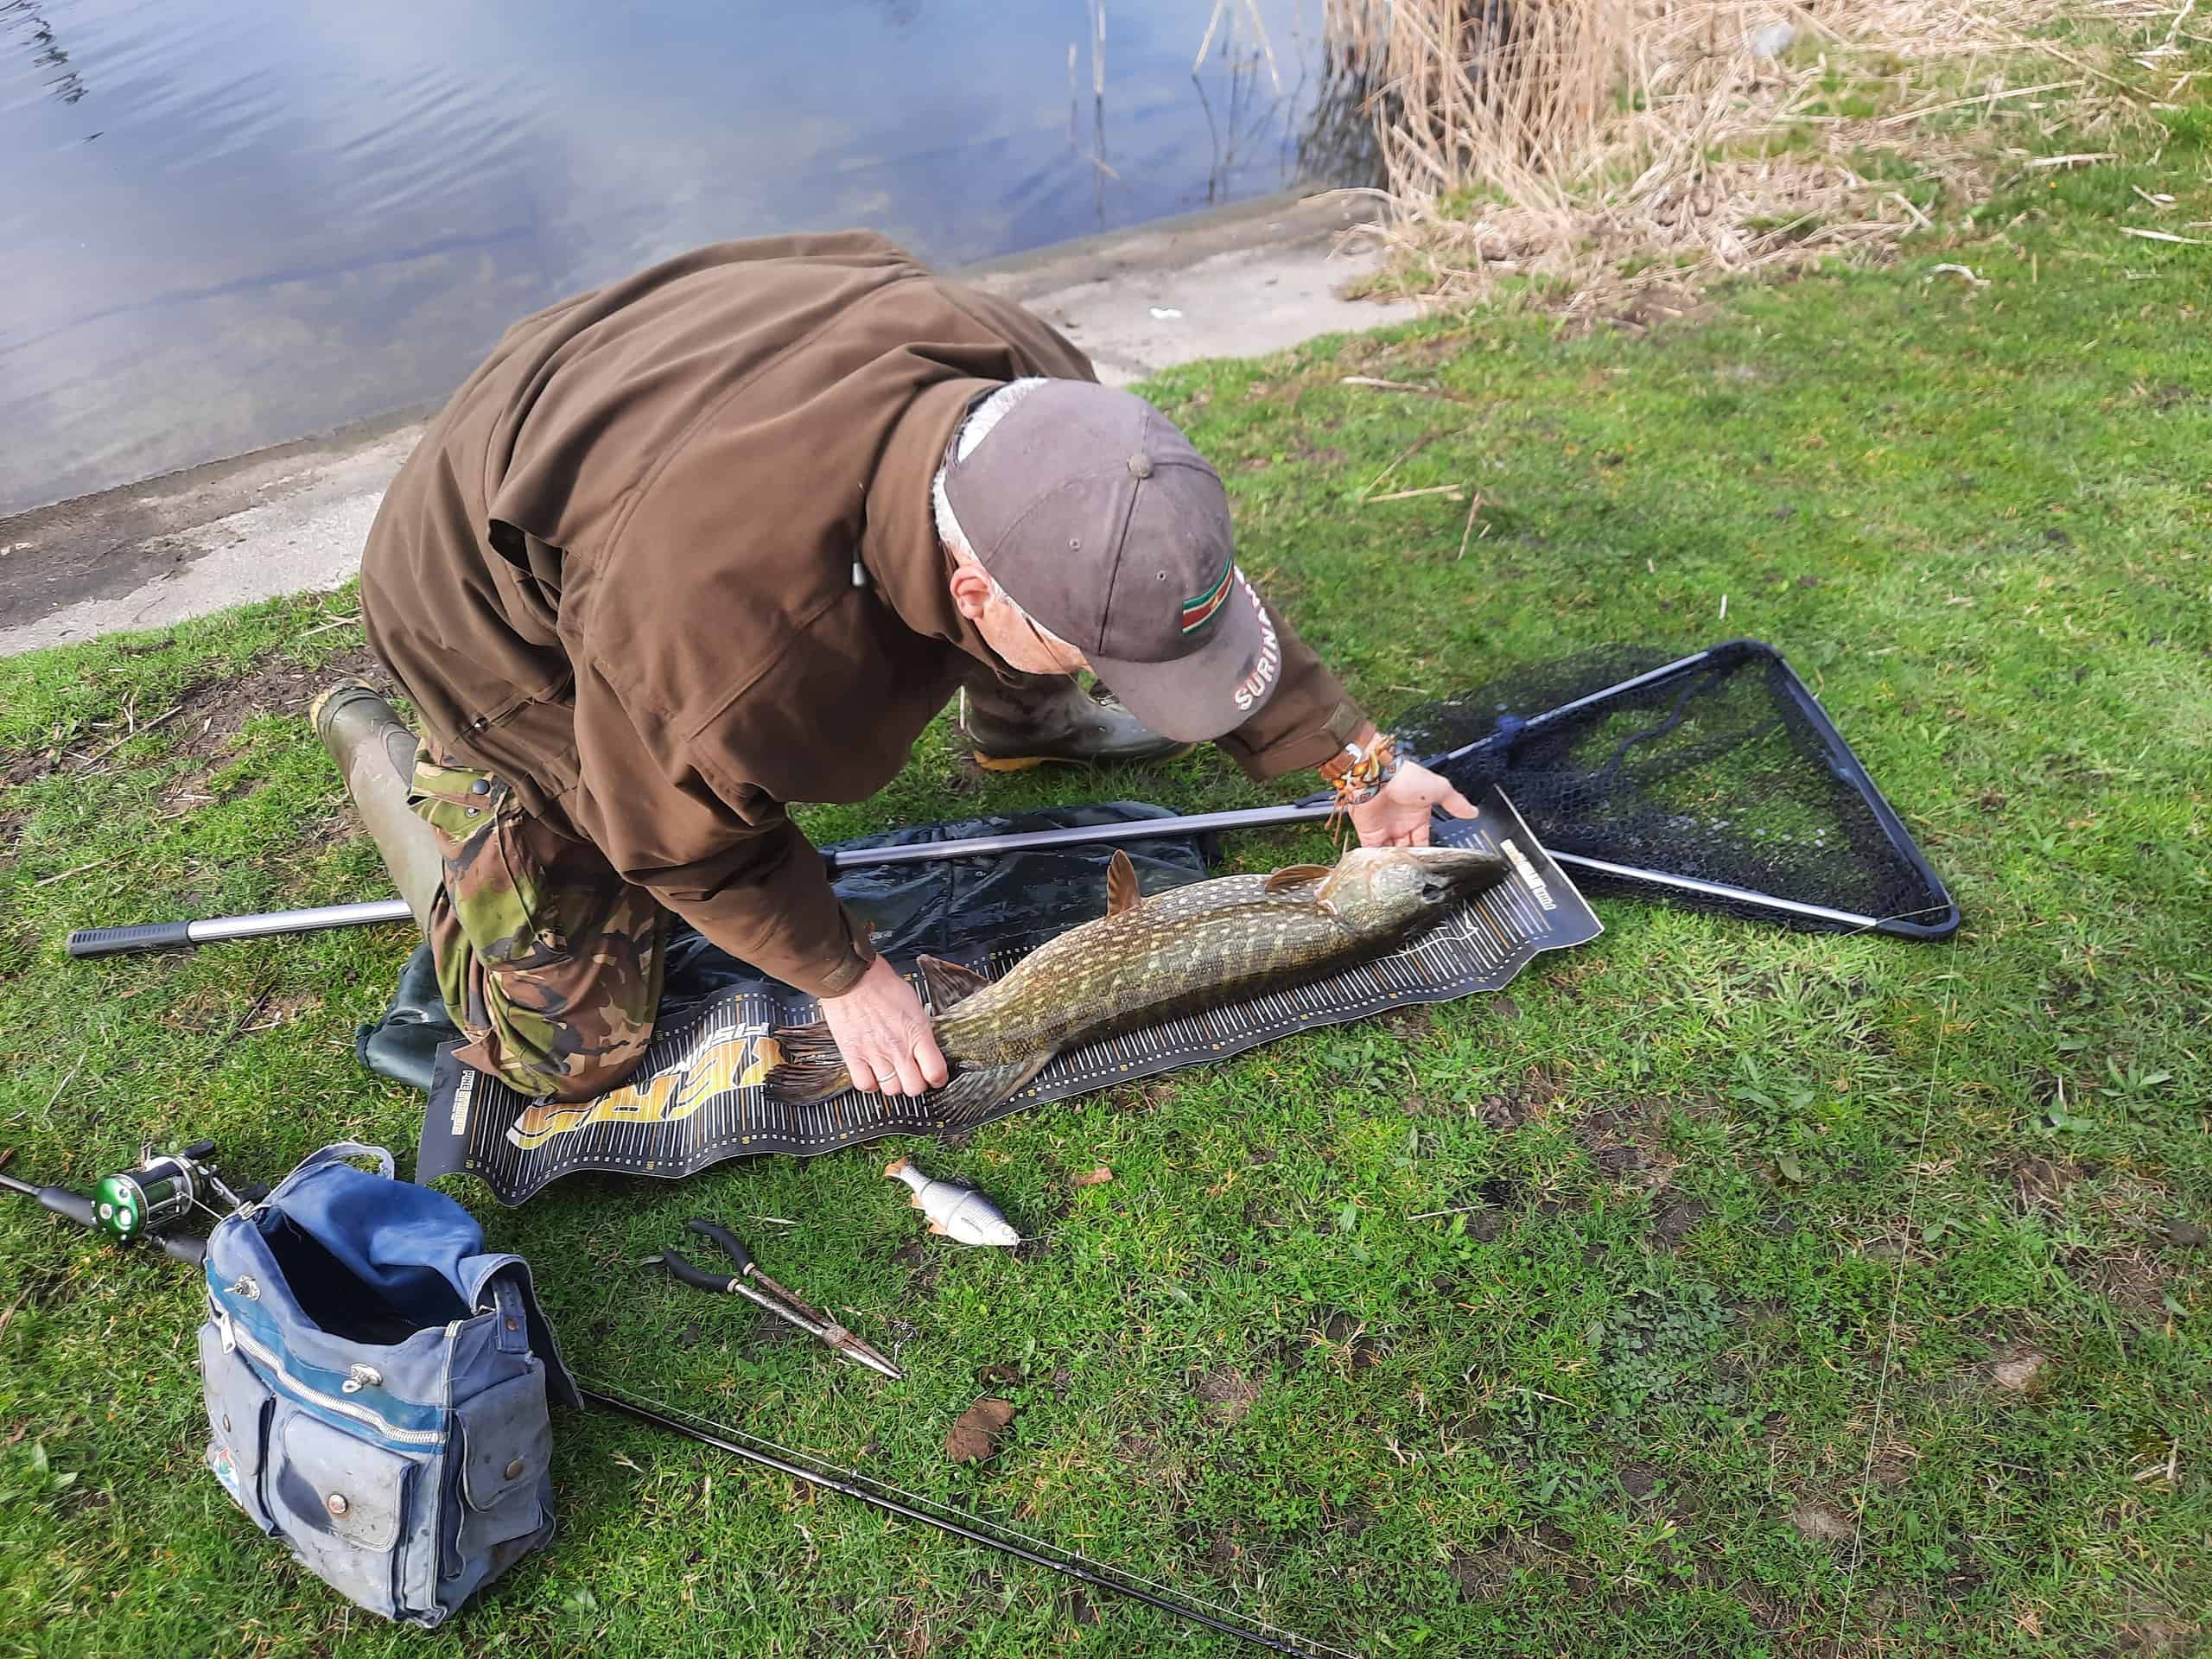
(810, 1068)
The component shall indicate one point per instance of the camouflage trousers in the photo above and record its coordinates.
(549, 961)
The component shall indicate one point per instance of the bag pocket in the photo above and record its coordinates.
(506, 1446)
(239, 1408)
(341, 1502)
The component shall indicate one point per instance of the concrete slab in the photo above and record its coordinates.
(1239, 283)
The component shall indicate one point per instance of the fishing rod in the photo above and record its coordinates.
(167, 936)
(909, 1506)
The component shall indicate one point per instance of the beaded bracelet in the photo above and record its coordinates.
(1367, 770)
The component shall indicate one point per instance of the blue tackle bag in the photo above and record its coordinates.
(377, 1385)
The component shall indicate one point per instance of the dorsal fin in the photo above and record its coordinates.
(1122, 884)
(948, 982)
(1295, 875)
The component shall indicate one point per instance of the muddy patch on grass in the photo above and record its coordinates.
(1893, 1465)
(1638, 1480)
(214, 711)
(1344, 1339)
(2016, 1373)
(1226, 1393)
(1525, 1102)
(1627, 1144)
(2013, 1367)
(2043, 1182)
(1484, 1570)
(1222, 1551)
(2136, 1281)
(201, 723)
(1674, 1222)
(921, 1266)
(1823, 1523)
(2152, 1627)
(1141, 1451)
(1486, 1222)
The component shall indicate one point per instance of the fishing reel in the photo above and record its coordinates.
(158, 1190)
(146, 1201)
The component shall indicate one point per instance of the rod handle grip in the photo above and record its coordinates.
(70, 1206)
(125, 941)
(188, 1248)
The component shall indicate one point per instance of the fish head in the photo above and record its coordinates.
(1384, 889)
(992, 1230)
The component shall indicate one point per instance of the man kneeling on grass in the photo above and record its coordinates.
(726, 536)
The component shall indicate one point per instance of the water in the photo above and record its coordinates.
(230, 223)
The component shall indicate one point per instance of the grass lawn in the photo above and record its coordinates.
(1805, 1294)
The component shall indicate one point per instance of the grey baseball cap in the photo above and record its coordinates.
(1100, 521)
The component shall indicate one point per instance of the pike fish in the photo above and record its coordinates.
(1149, 960)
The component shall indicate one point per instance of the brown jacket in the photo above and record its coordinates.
(666, 562)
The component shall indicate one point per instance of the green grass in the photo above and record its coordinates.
(1763, 1223)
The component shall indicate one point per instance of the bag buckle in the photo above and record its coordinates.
(359, 1378)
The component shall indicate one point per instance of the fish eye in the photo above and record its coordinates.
(1434, 891)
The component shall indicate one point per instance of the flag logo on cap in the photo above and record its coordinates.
(1197, 613)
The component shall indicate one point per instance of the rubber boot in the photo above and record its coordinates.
(375, 753)
(1052, 717)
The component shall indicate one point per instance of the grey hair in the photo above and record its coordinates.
(973, 431)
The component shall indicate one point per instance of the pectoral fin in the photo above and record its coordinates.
(1295, 875)
(949, 984)
(1122, 884)
(976, 1090)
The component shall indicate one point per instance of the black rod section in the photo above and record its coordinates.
(942, 1523)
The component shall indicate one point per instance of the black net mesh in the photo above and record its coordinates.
(1724, 771)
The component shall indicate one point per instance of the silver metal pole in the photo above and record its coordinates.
(1195, 823)
(1579, 703)
(1713, 889)
(301, 921)
(172, 936)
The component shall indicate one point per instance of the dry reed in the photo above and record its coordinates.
(1623, 151)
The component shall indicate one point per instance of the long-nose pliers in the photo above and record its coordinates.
(770, 1295)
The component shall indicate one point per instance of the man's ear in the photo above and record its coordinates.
(971, 590)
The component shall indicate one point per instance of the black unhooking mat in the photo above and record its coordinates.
(698, 1098)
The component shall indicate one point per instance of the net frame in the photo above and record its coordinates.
(1936, 916)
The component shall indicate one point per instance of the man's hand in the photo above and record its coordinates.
(883, 1035)
(1398, 816)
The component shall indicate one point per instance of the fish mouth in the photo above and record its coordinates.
(1455, 873)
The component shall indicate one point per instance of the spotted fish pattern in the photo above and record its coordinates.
(1149, 960)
